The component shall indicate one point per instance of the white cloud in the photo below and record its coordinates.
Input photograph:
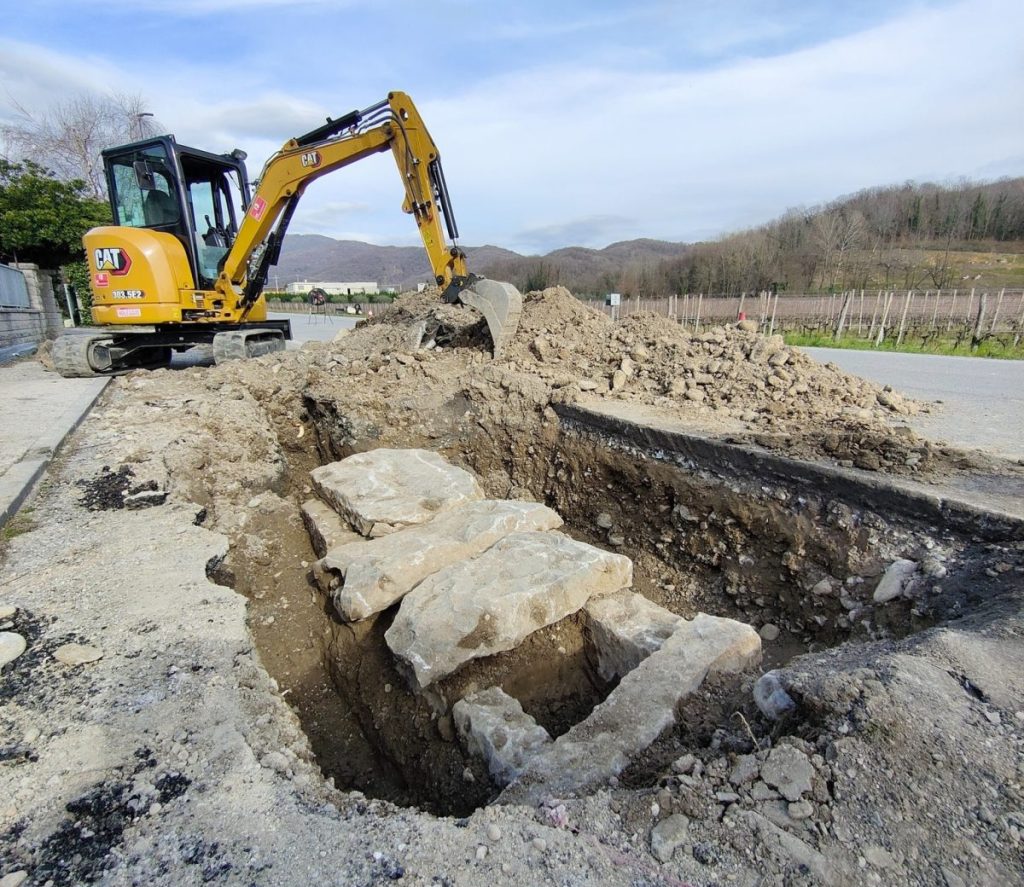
(539, 155)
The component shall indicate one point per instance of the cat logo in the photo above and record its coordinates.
(311, 159)
(112, 259)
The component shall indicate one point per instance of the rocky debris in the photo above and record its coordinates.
(383, 490)
(788, 770)
(789, 849)
(379, 572)
(895, 580)
(325, 527)
(77, 654)
(7, 611)
(12, 645)
(625, 628)
(493, 602)
(492, 725)
(644, 704)
(668, 835)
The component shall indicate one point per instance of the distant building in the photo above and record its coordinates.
(334, 288)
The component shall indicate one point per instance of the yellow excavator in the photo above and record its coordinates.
(187, 258)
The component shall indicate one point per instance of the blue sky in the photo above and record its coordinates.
(571, 123)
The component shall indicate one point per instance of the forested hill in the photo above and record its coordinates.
(905, 236)
(900, 237)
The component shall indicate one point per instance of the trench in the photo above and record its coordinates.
(723, 543)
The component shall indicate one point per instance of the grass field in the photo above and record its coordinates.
(990, 347)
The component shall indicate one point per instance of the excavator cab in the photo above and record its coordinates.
(197, 196)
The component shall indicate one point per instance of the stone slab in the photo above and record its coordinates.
(326, 528)
(379, 572)
(638, 710)
(383, 490)
(493, 602)
(492, 725)
(625, 628)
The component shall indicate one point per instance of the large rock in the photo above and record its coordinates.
(384, 490)
(492, 725)
(625, 628)
(491, 603)
(378, 572)
(895, 579)
(638, 710)
(325, 527)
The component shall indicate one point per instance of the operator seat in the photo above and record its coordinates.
(160, 208)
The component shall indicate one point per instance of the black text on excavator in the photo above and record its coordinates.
(189, 253)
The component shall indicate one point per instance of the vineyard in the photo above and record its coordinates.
(954, 320)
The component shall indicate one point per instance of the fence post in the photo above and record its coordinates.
(885, 317)
(976, 336)
(903, 317)
(995, 314)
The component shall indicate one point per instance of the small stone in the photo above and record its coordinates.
(822, 588)
(12, 645)
(493, 833)
(769, 632)
(14, 879)
(7, 611)
(951, 878)
(771, 697)
(993, 717)
(684, 764)
(879, 857)
(668, 835)
(77, 654)
(618, 380)
(697, 395)
(155, 808)
(276, 761)
(745, 770)
(800, 810)
(481, 853)
(788, 770)
(726, 797)
(31, 735)
(539, 844)
(604, 521)
(894, 580)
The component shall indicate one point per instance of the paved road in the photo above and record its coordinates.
(314, 328)
(981, 401)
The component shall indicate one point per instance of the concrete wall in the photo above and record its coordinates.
(29, 326)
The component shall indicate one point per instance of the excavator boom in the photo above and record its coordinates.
(393, 124)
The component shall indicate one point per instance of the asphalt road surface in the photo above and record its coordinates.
(314, 327)
(977, 402)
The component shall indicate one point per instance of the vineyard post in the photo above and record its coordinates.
(860, 315)
(885, 317)
(841, 320)
(903, 317)
(970, 305)
(1020, 322)
(696, 322)
(935, 311)
(874, 316)
(979, 320)
(952, 307)
(775, 307)
(995, 314)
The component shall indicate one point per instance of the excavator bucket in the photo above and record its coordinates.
(500, 303)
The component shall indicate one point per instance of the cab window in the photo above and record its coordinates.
(144, 193)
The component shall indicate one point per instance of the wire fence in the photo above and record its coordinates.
(880, 315)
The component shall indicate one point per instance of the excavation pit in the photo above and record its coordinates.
(797, 556)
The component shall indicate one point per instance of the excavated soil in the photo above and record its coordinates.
(238, 442)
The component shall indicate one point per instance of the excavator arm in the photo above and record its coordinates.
(393, 124)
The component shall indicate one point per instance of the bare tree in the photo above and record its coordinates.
(68, 136)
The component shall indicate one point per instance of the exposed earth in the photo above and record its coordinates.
(217, 721)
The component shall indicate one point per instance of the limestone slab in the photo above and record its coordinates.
(379, 572)
(384, 490)
(625, 628)
(638, 710)
(491, 603)
(325, 526)
(492, 725)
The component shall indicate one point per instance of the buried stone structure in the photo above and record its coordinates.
(472, 578)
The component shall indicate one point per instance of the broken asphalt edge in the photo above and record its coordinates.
(939, 505)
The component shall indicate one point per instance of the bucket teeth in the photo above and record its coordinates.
(501, 305)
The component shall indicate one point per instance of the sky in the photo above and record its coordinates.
(582, 122)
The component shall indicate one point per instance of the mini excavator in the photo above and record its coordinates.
(185, 262)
